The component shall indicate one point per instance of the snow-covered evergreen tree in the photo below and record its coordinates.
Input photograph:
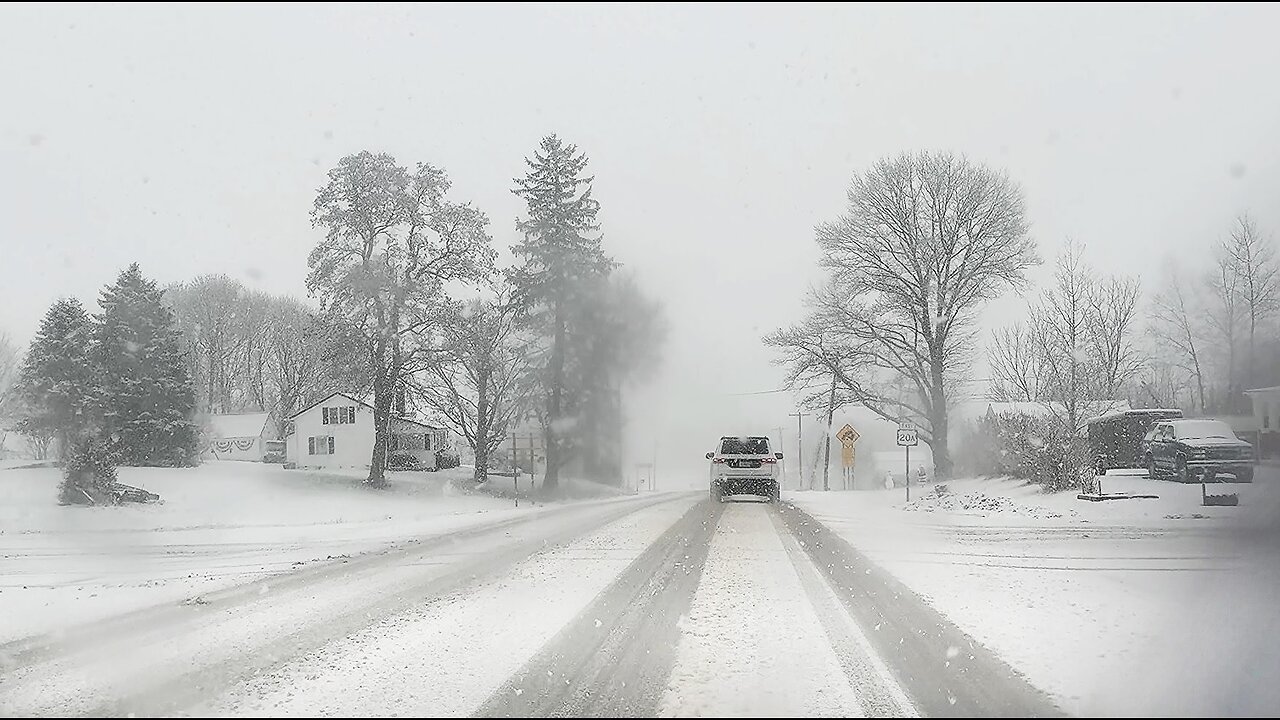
(147, 396)
(560, 256)
(56, 387)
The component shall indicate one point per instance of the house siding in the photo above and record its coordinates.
(352, 442)
(242, 447)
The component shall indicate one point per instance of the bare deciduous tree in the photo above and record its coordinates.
(1224, 315)
(926, 240)
(10, 362)
(392, 241)
(1113, 316)
(1017, 367)
(1077, 354)
(480, 381)
(1173, 323)
(1252, 260)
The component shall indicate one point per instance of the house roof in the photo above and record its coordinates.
(1088, 408)
(1157, 412)
(1034, 409)
(358, 401)
(329, 397)
(239, 425)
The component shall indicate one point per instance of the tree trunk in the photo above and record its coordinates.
(555, 408)
(1251, 379)
(939, 426)
(483, 426)
(382, 396)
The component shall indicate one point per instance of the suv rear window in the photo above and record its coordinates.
(744, 446)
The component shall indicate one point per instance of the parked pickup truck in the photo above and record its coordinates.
(744, 466)
(1198, 450)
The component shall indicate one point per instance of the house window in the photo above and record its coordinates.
(345, 415)
(320, 445)
(426, 441)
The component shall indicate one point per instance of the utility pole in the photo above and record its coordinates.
(782, 471)
(515, 469)
(831, 409)
(653, 469)
(799, 448)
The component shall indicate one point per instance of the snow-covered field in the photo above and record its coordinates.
(1130, 606)
(220, 524)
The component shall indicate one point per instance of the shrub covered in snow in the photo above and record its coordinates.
(404, 461)
(88, 472)
(1039, 449)
(446, 460)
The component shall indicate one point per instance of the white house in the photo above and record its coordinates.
(244, 436)
(338, 431)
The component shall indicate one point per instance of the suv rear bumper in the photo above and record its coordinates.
(762, 486)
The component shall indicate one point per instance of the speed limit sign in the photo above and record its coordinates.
(908, 437)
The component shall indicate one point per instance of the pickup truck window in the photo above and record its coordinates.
(1203, 429)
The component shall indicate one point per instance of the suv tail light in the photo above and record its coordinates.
(717, 460)
(768, 461)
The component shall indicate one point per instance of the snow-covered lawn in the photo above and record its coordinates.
(1127, 606)
(220, 524)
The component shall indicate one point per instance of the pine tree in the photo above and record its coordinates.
(57, 385)
(147, 394)
(561, 255)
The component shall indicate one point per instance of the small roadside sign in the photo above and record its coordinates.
(847, 435)
(908, 437)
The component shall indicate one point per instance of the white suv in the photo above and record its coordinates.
(744, 466)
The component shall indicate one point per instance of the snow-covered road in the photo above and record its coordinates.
(650, 606)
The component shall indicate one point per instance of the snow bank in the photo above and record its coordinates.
(979, 502)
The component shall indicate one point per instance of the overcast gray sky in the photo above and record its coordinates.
(192, 139)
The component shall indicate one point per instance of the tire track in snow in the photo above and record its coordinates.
(752, 643)
(945, 672)
(879, 691)
(445, 658)
(614, 659)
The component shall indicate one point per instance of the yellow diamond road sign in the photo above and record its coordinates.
(848, 435)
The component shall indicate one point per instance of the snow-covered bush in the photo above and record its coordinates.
(446, 460)
(87, 474)
(404, 461)
(1040, 449)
